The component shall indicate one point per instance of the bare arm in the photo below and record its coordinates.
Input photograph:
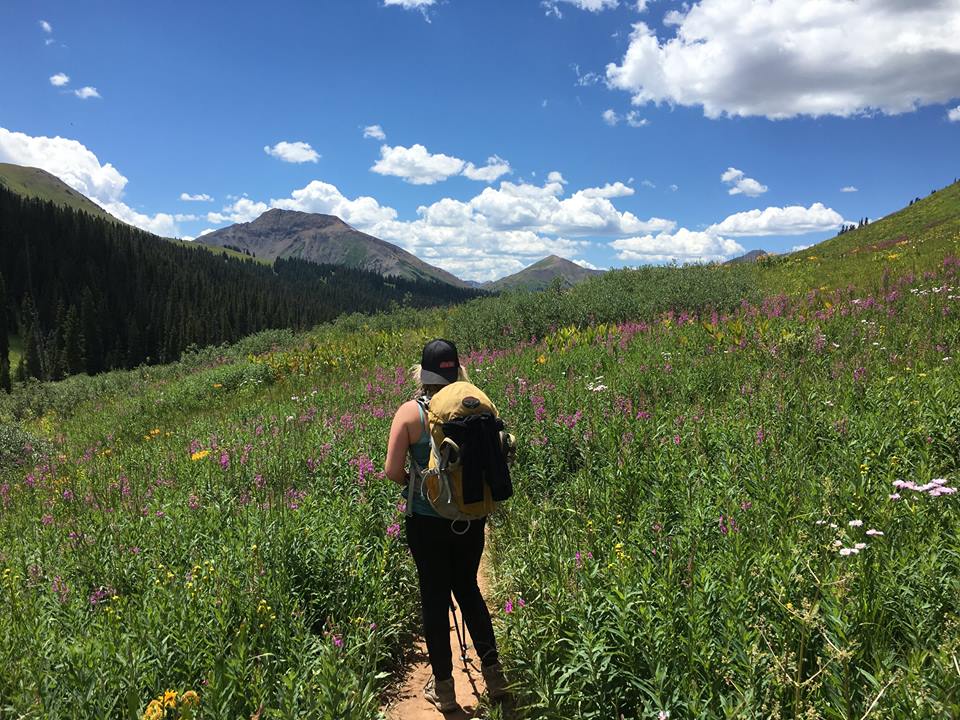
(399, 444)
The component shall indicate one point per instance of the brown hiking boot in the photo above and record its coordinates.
(441, 694)
(495, 680)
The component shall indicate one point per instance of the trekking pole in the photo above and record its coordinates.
(460, 636)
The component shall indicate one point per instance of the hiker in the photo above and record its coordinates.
(447, 553)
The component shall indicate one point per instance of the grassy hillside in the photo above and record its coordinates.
(35, 183)
(913, 239)
(199, 245)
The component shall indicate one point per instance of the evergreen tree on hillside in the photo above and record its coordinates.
(137, 298)
(4, 339)
(72, 359)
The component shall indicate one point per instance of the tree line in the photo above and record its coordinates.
(86, 294)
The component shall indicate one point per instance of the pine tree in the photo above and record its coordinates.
(4, 340)
(72, 360)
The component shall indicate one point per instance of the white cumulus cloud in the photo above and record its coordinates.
(954, 114)
(46, 27)
(422, 5)
(59, 80)
(610, 190)
(848, 189)
(86, 92)
(416, 165)
(792, 220)
(199, 197)
(584, 264)
(553, 6)
(681, 246)
(495, 168)
(783, 58)
(80, 168)
(740, 184)
(374, 131)
(292, 152)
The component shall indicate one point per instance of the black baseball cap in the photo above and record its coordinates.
(440, 364)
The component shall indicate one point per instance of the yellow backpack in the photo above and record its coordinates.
(467, 475)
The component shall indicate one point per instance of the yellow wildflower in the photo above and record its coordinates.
(190, 699)
(199, 455)
(154, 711)
(170, 699)
(218, 385)
(541, 359)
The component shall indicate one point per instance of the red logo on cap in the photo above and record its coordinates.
(447, 364)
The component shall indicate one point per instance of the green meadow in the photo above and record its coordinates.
(736, 497)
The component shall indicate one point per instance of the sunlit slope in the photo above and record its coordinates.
(914, 239)
(36, 183)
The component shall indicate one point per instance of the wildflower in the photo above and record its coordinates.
(848, 551)
(154, 711)
(541, 360)
(224, 461)
(894, 496)
(170, 699)
(761, 436)
(61, 589)
(337, 641)
(874, 533)
(393, 530)
(199, 455)
(855, 523)
(663, 715)
(190, 699)
(860, 546)
(193, 502)
(47, 519)
(676, 439)
(508, 607)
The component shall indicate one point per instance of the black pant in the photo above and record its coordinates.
(449, 562)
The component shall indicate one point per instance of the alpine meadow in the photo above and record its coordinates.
(732, 438)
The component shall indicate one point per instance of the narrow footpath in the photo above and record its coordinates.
(409, 703)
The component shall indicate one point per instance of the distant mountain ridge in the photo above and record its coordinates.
(542, 274)
(324, 239)
(751, 256)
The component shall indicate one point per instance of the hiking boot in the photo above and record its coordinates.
(441, 694)
(495, 680)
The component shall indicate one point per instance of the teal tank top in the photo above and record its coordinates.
(420, 452)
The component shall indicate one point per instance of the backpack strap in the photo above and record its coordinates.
(417, 472)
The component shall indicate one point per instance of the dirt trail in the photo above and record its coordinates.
(409, 703)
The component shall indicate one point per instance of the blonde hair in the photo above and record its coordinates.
(420, 390)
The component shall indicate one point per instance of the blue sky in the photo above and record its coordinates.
(506, 130)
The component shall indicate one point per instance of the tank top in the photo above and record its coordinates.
(420, 452)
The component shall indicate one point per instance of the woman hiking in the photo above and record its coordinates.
(447, 561)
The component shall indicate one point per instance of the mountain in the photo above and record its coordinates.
(33, 182)
(86, 294)
(751, 256)
(542, 274)
(324, 239)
